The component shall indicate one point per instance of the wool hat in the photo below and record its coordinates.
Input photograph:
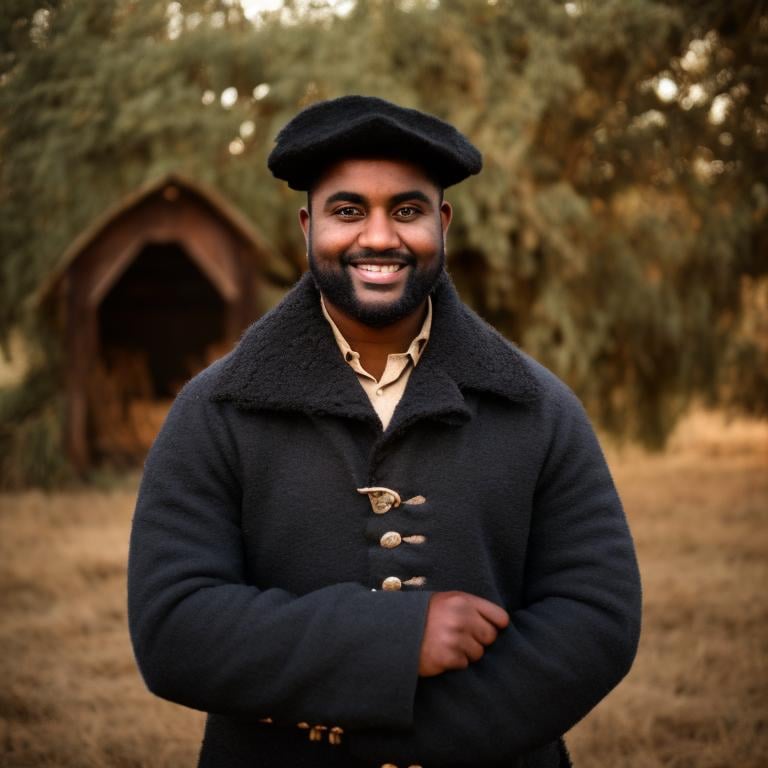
(366, 126)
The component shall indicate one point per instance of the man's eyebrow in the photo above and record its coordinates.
(354, 197)
(346, 197)
(414, 194)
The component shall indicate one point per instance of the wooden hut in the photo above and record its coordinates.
(158, 287)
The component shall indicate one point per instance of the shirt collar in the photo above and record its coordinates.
(414, 351)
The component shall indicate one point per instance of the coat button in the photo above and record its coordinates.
(390, 540)
(316, 732)
(382, 499)
(383, 503)
(391, 584)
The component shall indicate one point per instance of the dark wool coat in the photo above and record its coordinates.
(256, 566)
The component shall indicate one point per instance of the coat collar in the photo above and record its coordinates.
(289, 361)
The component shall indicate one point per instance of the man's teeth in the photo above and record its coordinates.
(380, 267)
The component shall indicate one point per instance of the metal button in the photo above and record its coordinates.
(382, 499)
(316, 732)
(391, 584)
(390, 540)
(382, 502)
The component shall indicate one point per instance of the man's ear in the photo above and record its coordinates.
(304, 217)
(446, 214)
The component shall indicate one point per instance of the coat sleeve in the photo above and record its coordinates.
(570, 643)
(205, 638)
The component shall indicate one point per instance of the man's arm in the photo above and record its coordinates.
(205, 638)
(572, 641)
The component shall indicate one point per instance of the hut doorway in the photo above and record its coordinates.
(161, 322)
(164, 311)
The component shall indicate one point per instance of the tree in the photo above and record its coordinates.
(617, 232)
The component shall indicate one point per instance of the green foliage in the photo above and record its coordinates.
(31, 434)
(608, 233)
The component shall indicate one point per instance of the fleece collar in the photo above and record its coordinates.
(289, 361)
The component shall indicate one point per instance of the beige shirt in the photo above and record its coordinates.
(385, 393)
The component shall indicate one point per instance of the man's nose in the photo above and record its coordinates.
(379, 232)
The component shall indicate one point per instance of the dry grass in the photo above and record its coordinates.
(697, 695)
(70, 693)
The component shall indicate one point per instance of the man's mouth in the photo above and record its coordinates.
(385, 268)
(379, 273)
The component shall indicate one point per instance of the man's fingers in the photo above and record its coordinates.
(458, 629)
(484, 632)
(474, 650)
(490, 611)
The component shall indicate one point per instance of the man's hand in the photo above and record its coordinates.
(459, 627)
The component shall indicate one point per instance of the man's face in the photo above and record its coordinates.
(376, 238)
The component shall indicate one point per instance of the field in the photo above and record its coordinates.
(697, 696)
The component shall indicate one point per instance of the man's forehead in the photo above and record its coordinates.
(363, 174)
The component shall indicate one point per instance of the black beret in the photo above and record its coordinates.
(365, 126)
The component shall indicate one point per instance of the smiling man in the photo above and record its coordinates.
(376, 252)
(376, 248)
(377, 534)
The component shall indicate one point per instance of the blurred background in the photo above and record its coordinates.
(618, 232)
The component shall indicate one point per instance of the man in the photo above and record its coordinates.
(376, 533)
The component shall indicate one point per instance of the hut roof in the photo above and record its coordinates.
(227, 210)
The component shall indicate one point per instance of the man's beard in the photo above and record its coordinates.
(336, 285)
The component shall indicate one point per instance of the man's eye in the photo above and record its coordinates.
(348, 211)
(407, 212)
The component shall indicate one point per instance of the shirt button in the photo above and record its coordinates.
(391, 584)
(390, 540)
